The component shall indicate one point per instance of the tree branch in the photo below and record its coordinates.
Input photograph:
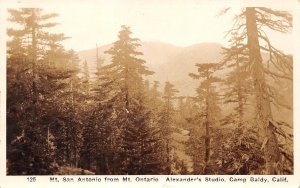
(278, 75)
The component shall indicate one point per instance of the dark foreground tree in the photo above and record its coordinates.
(134, 137)
(250, 26)
(35, 75)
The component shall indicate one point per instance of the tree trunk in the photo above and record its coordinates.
(207, 124)
(207, 147)
(169, 171)
(102, 167)
(239, 94)
(263, 107)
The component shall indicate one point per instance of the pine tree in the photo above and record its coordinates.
(128, 66)
(70, 115)
(97, 148)
(125, 78)
(155, 102)
(166, 122)
(207, 93)
(238, 84)
(105, 127)
(38, 160)
(140, 148)
(249, 26)
(39, 56)
(100, 131)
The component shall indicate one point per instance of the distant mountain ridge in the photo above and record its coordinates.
(169, 62)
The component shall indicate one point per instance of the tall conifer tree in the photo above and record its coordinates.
(250, 27)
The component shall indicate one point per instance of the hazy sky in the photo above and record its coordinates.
(180, 23)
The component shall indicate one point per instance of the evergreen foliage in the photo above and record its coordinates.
(115, 120)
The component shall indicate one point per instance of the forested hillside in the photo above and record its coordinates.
(135, 107)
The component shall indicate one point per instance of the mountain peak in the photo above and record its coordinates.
(205, 44)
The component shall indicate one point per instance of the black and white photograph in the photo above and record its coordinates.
(149, 88)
